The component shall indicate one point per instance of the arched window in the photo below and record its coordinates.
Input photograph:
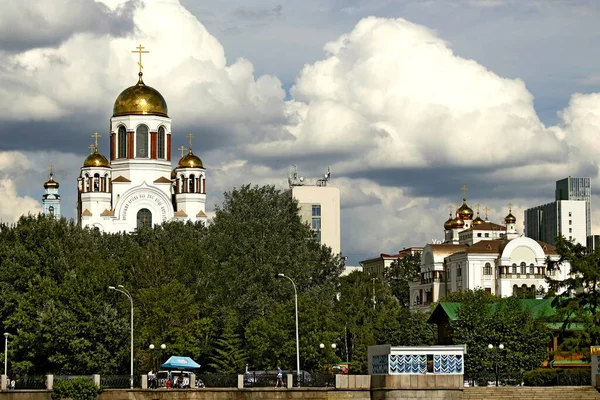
(86, 183)
(523, 268)
(122, 142)
(531, 269)
(144, 218)
(161, 143)
(183, 184)
(192, 179)
(105, 183)
(96, 182)
(514, 269)
(487, 270)
(515, 290)
(51, 210)
(141, 141)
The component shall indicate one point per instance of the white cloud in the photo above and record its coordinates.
(12, 205)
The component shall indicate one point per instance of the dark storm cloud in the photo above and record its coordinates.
(26, 25)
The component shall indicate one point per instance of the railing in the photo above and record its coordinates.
(71, 377)
(217, 380)
(315, 379)
(115, 381)
(30, 382)
(260, 379)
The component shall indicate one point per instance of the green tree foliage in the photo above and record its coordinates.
(401, 273)
(579, 298)
(484, 320)
(229, 355)
(75, 389)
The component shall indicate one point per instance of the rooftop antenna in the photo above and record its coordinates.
(323, 181)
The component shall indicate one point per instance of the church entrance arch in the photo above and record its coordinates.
(144, 218)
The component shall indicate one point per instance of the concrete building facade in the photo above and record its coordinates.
(562, 217)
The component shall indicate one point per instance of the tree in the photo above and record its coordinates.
(401, 274)
(578, 300)
(483, 320)
(229, 356)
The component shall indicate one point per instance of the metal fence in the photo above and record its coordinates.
(29, 382)
(314, 379)
(71, 377)
(116, 381)
(217, 380)
(502, 379)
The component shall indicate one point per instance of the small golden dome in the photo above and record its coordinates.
(173, 174)
(190, 161)
(510, 219)
(457, 223)
(51, 183)
(140, 100)
(448, 224)
(96, 160)
(464, 212)
(478, 221)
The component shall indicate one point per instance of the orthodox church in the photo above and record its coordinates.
(51, 198)
(138, 186)
(477, 253)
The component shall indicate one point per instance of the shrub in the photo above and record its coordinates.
(76, 389)
(554, 377)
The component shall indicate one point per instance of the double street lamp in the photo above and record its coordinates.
(500, 347)
(162, 347)
(121, 289)
(297, 336)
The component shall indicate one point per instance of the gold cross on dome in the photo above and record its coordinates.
(464, 190)
(92, 148)
(450, 208)
(51, 166)
(477, 205)
(96, 135)
(190, 136)
(182, 148)
(140, 50)
(486, 212)
(510, 207)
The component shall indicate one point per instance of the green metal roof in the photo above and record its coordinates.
(539, 308)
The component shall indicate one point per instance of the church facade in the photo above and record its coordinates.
(479, 254)
(138, 185)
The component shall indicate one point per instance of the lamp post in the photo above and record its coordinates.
(151, 347)
(6, 353)
(121, 289)
(500, 347)
(297, 336)
(333, 347)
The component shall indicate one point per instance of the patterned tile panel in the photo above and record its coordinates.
(447, 364)
(408, 364)
(380, 365)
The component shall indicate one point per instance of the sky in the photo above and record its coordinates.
(405, 100)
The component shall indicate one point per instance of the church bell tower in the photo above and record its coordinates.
(51, 198)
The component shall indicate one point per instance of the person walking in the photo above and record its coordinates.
(279, 377)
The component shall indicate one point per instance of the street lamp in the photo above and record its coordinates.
(121, 289)
(501, 347)
(151, 347)
(297, 336)
(6, 352)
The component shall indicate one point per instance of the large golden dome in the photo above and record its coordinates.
(464, 212)
(190, 161)
(51, 183)
(457, 223)
(96, 160)
(140, 100)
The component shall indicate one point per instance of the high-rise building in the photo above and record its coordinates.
(577, 189)
(319, 207)
(561, 217)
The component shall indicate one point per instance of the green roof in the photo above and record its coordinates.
(539, 308)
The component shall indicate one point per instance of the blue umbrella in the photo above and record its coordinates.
(180, 362)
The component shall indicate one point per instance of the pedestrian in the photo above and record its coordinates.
(168, 383)
(279, 377)
(12, 384)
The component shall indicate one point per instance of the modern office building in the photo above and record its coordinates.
(577, 189)
(319, 207)
(569, 215)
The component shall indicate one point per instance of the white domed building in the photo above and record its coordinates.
(138, 185)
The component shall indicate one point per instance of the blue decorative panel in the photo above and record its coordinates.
(447, 364)
(408, 364)
(380, 365)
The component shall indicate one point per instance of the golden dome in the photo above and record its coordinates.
(173, 174)
(478, 220)
(464, 212)
(190, 161)
(457, 223)
(510, 219)
(448, 224)
(96, 160)
(51, 183)
(140, 100)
